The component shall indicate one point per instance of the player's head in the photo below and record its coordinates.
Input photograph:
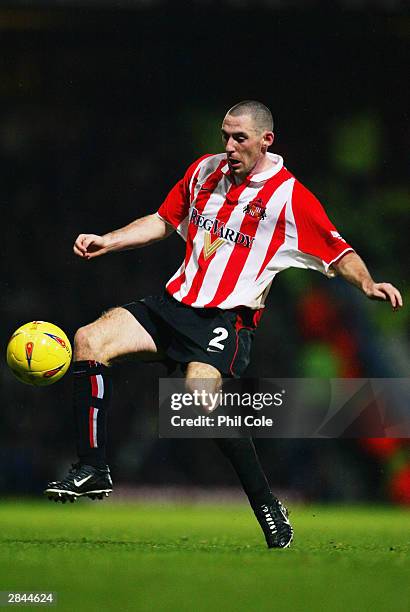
(258, 112)
(247, 133)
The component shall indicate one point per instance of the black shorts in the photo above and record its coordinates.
(222, 338)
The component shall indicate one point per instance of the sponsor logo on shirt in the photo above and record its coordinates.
(337, 235)
(211, 246)
(219, 231)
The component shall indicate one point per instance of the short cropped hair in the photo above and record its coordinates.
(261, 115)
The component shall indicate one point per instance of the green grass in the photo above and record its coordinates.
(106, 556)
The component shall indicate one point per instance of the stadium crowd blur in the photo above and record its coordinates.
(101, 112)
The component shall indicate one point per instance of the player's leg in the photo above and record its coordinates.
(241, 452)
(116, 335)
(269, 511)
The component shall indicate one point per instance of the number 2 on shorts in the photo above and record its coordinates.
(221, 334)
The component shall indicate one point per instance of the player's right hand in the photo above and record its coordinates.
(88, 246)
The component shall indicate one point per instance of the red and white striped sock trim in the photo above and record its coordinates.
(97, 386)
(97, 391)
(92, 421)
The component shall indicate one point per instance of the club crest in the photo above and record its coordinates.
(256, 209)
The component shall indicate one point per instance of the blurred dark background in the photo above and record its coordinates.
(102, 108)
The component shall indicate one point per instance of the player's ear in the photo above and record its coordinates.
(268, 138)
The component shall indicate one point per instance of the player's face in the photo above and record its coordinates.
(245, 145)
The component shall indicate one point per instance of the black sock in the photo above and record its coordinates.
(92, 397)
(242, 455)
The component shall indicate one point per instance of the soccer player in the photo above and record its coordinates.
(244, 218)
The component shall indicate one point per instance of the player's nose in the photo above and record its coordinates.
(229, 145)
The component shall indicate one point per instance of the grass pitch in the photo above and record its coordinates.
(109, 556)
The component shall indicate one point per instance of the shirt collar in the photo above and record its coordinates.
(262, 176)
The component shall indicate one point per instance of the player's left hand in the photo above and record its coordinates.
(384, 292)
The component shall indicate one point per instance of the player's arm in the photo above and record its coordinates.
(352, 268)
(139, 233)
(318, 237)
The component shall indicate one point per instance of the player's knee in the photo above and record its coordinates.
(86, 344)
(205, 390)
(191, 385)
(81, 339)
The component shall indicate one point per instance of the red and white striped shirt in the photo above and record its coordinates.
(238, 237)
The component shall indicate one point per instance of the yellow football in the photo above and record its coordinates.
(39, 353)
